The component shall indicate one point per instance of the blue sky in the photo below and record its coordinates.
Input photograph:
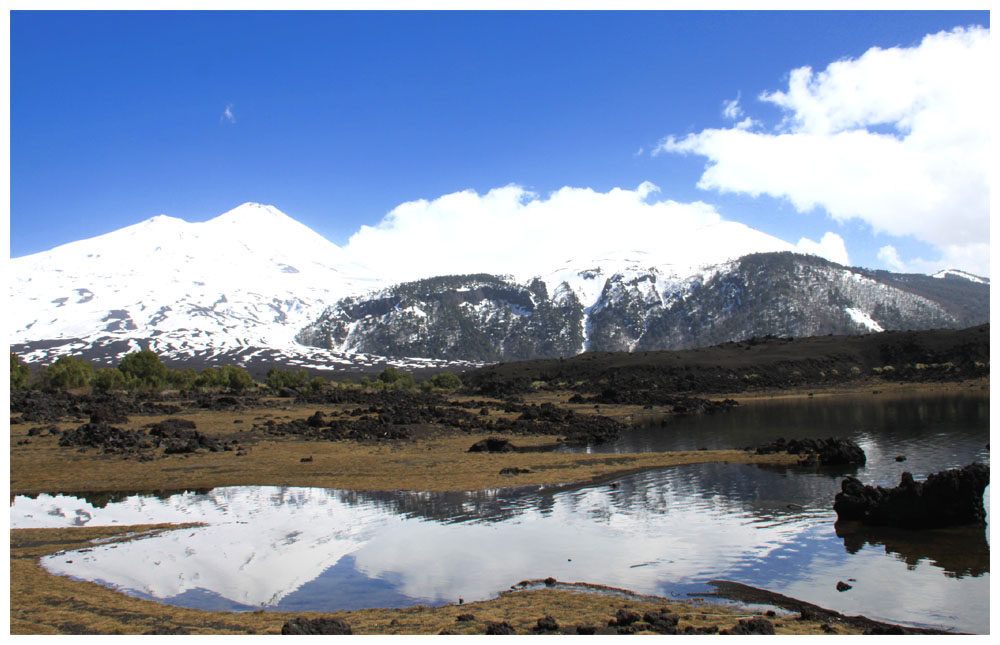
(337, 118)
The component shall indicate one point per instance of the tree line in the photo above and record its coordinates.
(145, 371)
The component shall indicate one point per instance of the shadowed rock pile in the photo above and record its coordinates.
(45, 406)
(316, 626)
(109, 439)
(679, 404)
(827, 452)
(179, 436)
(948, 498)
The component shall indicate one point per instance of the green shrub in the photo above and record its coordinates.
(393, 379)
(144, 369)
(68, 372)
(235, 379)
(278, 378)
(228, 377)
(18, 372)
(318, 384)
(446, 381)
(209, 378)
(390, 375)
(108, 379)
(182, 379)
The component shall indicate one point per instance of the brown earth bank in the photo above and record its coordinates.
(41, 603)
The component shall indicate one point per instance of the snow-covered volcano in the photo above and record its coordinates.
(250, 277)
(251, 285)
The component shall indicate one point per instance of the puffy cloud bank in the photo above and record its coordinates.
(513, 231)
(898, 138)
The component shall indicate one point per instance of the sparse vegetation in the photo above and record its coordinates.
(68, 372)
(278, 378)
(18, 372)
(143, 369)
(446, 381)
(108, 379)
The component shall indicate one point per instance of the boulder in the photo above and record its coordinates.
(305, 626)
(755, 625)
(832, 451)
(948, 498)
(493, 444)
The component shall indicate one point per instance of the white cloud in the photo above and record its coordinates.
(898, 138)
(831, 246)
(513, 231)
(227, 114)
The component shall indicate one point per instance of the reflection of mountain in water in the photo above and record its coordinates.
(961, 551)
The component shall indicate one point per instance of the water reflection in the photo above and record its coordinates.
(932, 432)
(959, 552)
(666, 532)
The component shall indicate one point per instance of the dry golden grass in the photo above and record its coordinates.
(436, 462)
(41, 603)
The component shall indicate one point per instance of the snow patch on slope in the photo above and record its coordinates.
(863, 319)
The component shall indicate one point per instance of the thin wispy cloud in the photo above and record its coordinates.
(227, 115)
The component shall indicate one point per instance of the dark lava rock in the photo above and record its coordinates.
(465, 618)
(624, 617)
(41, 431)
(547, 624)
(321, 626)
(885, 630)
(110, 439)
(107, 415)
(662, 622)
(499, 629)
(948, 498)
(755, 625)
(306, 460)
(711, 629)
(180, 437)
(166, 630)
(493, 444)
(843, 586)
(900, 458)
(514, 471)
(829, 452)
(550, 581)
(829, 629)
(316, 420)
(586, 629)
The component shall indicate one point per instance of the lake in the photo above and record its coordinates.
(666, 532)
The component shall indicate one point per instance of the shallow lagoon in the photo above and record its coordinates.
(665, 532)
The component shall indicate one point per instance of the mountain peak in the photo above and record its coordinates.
(252, 213)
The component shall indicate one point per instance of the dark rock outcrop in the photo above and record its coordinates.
(499, 629)
(948, 498)
(493, 444)
(756, 625)
(316, 626)
(828, 452)
(180, 437)
(109, 439)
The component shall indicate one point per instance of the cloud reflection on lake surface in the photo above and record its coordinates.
(664, 532)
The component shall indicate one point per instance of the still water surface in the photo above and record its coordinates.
(666, 532)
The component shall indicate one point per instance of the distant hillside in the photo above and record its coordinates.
(491, 318)
(768, 362)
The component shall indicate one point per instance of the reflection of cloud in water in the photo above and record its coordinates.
(275, 546)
